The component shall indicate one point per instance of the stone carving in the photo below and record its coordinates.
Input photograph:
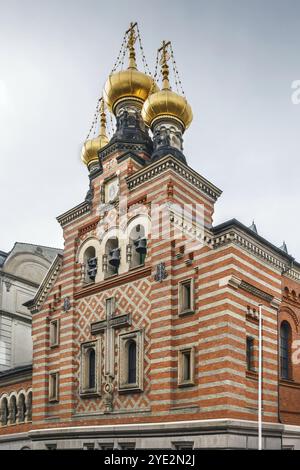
(67, 304)
(108, 395)
(161, 272)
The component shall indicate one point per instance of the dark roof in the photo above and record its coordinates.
(15, 371)
(233, 223)
(3, 256)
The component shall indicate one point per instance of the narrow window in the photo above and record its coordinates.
(285, 341)
(54, 329)
(186, 365)
(250, 353)
(186, 296)
(91, 369)
(186, 301)
(90, 264)
(53, 386)
(131, 362)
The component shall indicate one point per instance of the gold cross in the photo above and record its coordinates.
(132, 36)
(163, 49)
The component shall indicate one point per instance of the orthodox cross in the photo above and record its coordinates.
(108, 325)
(130, 44)
(165, 56)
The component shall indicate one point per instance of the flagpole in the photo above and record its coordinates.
(260, 377)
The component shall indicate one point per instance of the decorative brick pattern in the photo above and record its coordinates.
(131, 298)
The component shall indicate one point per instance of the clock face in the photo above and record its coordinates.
(112, 190)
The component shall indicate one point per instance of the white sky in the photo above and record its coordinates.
(237, 59)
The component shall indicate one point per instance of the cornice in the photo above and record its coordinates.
(236, 233)
(35, 304)
(141, 161)
(170, 163)
(19, 316)
(18, 279)
(122, 146)
(237, 283)
(16, 375)
(74, 213)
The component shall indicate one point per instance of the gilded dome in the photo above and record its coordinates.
(167, 103)
(91, 148)
(128, 83)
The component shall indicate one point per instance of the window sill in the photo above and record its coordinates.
(252, 374)
(186, 312)
(186, 384)
(53, 346)
(130, 388)
(287, 381)
(110, 276)
(89, 394)
(132, 268)
(88, 283)
(53, 400)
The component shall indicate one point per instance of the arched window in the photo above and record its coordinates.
(90, 264)
(91, 369)
(12, 409)
(137, 246)
(28, 403)
(285, 350)
(4, 411)
(21, 408)
(112, 257)
(131, 351)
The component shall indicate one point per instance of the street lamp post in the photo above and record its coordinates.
(260, 377)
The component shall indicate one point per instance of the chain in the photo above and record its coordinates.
(176, 73)
(122, 51)
(111, 129)
(144, 60)
(95, 119)
(156, 68)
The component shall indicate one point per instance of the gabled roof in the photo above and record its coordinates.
(48, 281)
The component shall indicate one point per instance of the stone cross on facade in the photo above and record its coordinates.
(108, 326)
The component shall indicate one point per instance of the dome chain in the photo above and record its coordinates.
(144, 60)
(176, 73)
(111, 129)
(122, 51)
(156, 68)
(95, 119)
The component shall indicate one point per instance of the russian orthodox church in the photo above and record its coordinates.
(145, 329)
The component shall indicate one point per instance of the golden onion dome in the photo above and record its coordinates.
(167, 103)
(125, 84)
(130, 83)
(91, 147)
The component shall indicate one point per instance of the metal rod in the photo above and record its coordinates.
(260, 378)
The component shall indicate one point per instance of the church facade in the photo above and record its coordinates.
(145, 330)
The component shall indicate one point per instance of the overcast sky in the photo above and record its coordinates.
(237, 60)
